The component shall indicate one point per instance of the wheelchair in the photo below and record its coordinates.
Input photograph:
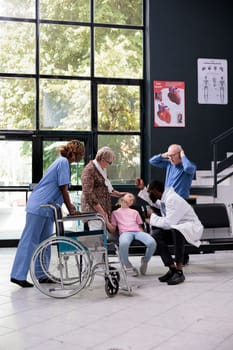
(69, 259)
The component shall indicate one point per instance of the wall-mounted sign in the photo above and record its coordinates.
(212, 81)
(169, 103)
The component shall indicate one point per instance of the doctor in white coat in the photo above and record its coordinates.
(179, 217)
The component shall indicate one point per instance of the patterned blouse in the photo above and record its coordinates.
(94, 190)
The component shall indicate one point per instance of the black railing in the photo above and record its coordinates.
(222, 165)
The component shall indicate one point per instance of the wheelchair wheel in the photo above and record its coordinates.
(111, 286)
(60, 267)
(114, 273)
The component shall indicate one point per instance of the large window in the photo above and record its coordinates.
(15, 175)
(71, 69)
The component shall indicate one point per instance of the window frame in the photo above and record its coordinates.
(90, 138)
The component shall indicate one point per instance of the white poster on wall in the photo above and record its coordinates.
(212, 81)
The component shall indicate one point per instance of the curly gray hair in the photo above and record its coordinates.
(105, 153)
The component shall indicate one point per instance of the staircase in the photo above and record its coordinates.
(216, 185)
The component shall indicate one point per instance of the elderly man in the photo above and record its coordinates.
(179, 218)
(179, 170)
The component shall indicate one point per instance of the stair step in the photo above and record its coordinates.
(203, 184)
(202, 190)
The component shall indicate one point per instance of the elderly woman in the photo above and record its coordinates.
(96, 187)
(52, 188)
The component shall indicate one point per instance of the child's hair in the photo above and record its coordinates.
(121, 198)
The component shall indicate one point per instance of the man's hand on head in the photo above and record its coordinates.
(164, 155)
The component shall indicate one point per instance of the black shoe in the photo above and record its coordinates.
(177, 278)
(22, 283)
(167, 276)
(45, 280)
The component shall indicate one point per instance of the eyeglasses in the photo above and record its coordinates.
(107, 161)
(172, 155)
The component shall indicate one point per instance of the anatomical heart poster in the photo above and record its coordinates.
(169, 103)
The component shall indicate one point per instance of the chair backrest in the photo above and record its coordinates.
(57, 212)
(60, 231)
(212, 215)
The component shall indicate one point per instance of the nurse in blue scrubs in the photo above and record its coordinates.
(52, 188)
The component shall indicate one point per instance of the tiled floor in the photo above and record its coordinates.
(197, 314)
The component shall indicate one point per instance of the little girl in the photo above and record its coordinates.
(130, 227)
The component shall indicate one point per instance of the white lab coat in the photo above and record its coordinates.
(179, 215)
(145, 196)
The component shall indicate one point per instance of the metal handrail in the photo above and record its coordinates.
(215, 143)
(222, 136)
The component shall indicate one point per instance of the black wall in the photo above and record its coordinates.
(178, 33)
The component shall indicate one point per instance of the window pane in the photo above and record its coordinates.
(12, 214)
(119, 11)
(16, 163)
(118, 108)
(51, 152)
(15, 170)
(118, 53)
(64, 50)
(65, 10)
(126, 167)
(16, 8)
(17, 47)
(17, 104)
(65, 105)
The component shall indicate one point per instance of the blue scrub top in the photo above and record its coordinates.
(47, 190)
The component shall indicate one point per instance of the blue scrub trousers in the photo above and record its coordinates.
(37, 229)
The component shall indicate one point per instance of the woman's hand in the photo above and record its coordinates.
(117, 193)
(73, 211)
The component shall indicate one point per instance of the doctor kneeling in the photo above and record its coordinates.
(179, 217)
